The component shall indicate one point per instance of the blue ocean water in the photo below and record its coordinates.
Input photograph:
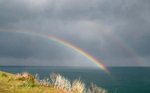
(125, 79)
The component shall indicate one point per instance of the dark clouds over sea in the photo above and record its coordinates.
(114, 31)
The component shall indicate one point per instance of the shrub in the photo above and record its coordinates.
(78, 86)
(25, 77)
(95, 89)
(28, 79)
(53, 78)
(3, 75)
(27, 84)
(45, 82)
(61, 82)
(37, 77)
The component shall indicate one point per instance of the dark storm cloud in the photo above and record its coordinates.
(21, 45)
(107, 29)
(26, 49)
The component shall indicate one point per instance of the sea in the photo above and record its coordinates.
(122, 79)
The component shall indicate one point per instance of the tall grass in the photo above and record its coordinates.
(60, 82)
(95, 89)
(3, 75)
(78, 87)
(28, 79)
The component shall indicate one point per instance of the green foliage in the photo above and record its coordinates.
(28, 84)
(3, 75)
(26, 77)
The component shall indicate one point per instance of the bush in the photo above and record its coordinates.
(61, 82)
(25, 77)
(27, 84)
(45, 82)
(95, 89)
(37, 77)
(78, 86)
(3, 75)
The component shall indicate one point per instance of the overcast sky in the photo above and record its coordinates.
(117, 32)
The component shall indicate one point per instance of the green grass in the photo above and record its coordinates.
(10, 84)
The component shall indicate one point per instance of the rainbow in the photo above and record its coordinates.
(81, 51)
(131, 52)
(69, 45)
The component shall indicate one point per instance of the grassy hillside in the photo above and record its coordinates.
(27, 83)
(10, 84)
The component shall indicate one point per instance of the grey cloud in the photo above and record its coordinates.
(32, 50)
(10, 61)
(104, 28)
(21, 45)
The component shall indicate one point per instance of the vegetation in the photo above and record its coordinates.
(56, 83)
(3, 75)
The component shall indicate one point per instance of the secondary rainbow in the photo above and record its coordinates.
(69, 45)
